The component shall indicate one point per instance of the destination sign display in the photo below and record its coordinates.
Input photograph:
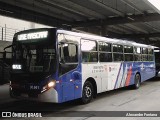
(35, 35)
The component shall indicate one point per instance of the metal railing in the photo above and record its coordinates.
(5, 67)
(6, 34)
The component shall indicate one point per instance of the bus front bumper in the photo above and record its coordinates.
(50, 95)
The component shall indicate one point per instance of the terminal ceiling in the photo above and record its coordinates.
(134, 20)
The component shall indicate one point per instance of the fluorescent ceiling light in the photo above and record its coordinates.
(155, 3)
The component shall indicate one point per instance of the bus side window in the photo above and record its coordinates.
(89, 57)
(144, 54)
(128, 53)
(89, 51)
(150, 54)
(68, 53)
(117, 52)
(137, 54)
(105, 54)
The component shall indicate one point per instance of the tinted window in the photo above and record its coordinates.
(68, 53)
(103, 46)
(137, 50)
(144, 57)
(150, 57)
(117, 57)
(144, 51)
(89, 56)
(128, 49)
(117, 48)
(128, 57)
(137, 57)
(87, 45)
(150, 51)
(105, 57)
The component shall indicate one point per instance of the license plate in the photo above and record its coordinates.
(34, 87)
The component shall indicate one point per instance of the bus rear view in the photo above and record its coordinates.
(157, 61)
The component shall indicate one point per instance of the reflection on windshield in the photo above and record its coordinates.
(35, 58)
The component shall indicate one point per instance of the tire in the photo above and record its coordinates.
(137, 81)
(87, 93)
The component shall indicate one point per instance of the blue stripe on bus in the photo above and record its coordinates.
(118, 75)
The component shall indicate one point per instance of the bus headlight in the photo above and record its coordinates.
(48, 86)
(51, 84)
(16, 67)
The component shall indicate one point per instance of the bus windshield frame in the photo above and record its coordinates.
(35, 53)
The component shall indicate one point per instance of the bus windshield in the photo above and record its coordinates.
(35, 58)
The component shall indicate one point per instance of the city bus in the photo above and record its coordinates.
(54, 65)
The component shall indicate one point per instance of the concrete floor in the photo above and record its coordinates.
(146, 98)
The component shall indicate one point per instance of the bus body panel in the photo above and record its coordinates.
(110, 76)
(70, 85)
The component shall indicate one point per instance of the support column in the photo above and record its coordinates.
(2, 33)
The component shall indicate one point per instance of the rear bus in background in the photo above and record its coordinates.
(55, 65)
(157, 61)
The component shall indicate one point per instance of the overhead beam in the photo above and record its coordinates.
(119, 20)
(33, 16)
(107, 7)
(72, 6)
(149, 35)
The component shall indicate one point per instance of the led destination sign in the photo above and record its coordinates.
(35, 35)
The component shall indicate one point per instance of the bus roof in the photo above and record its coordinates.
(105, 39)
(90, 36)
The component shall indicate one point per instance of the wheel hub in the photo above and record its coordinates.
(88, 92)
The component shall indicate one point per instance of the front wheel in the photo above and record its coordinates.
(87, 93)
(137, 80)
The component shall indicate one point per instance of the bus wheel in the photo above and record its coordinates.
(137, 81)
(87, 93)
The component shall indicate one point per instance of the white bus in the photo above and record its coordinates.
(57, 65)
